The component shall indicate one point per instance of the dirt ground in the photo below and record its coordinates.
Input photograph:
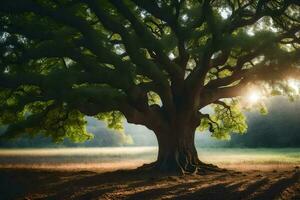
(247, 183)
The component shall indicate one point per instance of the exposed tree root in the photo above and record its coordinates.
(200, 168)
(207, 168)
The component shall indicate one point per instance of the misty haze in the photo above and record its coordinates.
(149, 99)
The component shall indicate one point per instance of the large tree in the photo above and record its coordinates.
(157, 63)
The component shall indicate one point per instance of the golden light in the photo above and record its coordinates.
(293, 84)
(254, 96)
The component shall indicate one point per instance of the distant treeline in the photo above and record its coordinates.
(103, 137)
(280, 128)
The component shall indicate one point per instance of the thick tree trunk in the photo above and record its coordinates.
(177, 153)
(176, 148)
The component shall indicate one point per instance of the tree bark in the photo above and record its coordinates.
(177, 151)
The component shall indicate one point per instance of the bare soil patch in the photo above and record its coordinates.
(247, 183)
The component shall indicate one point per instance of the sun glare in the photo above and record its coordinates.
(253, 96)
(294, 85)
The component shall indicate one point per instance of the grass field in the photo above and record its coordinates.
(112, 158)
(81, 173)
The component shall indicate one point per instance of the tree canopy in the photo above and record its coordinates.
(145, 60)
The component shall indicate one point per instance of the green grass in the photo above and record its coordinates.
(123, 157)
(251, 156)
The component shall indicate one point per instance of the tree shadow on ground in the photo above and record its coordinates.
(133, 184)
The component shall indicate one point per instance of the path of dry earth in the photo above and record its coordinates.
(128, 184)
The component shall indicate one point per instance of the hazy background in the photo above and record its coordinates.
(280, 128)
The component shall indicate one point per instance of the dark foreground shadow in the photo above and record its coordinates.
(133, 184)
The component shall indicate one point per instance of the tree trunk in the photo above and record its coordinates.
(177, 151)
